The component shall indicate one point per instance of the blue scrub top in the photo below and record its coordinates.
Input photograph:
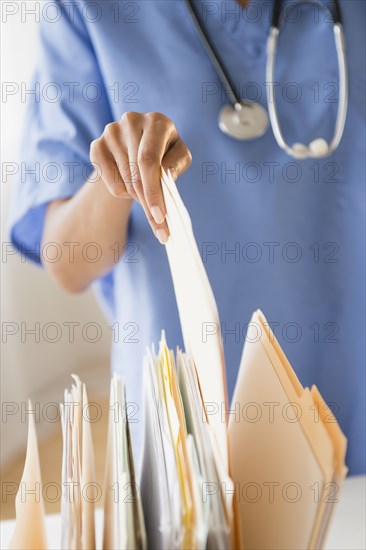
(277, 234)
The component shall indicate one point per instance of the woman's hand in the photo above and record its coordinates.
(129, 155)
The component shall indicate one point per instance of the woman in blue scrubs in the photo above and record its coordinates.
(135, 89)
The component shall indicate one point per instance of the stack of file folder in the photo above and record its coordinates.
(123, 517)
(262, 473)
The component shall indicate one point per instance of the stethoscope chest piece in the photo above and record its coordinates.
(244, 120)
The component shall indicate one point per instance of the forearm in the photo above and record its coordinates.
(90, 230)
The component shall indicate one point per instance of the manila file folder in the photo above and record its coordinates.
(287, 451)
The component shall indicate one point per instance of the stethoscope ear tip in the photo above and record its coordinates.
(317, 148)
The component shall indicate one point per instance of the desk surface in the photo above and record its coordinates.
(347, 530)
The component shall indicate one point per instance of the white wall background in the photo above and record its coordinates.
(39, 371)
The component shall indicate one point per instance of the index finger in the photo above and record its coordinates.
(157, 138)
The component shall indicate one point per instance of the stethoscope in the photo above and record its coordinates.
(245, 120)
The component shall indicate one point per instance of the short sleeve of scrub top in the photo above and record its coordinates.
(67, 111)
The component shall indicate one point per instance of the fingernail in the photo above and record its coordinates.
(117, 190)
(157, 214)
(162, 235)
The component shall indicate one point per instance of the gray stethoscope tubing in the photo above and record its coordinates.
(245, 119)
(319, 147)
